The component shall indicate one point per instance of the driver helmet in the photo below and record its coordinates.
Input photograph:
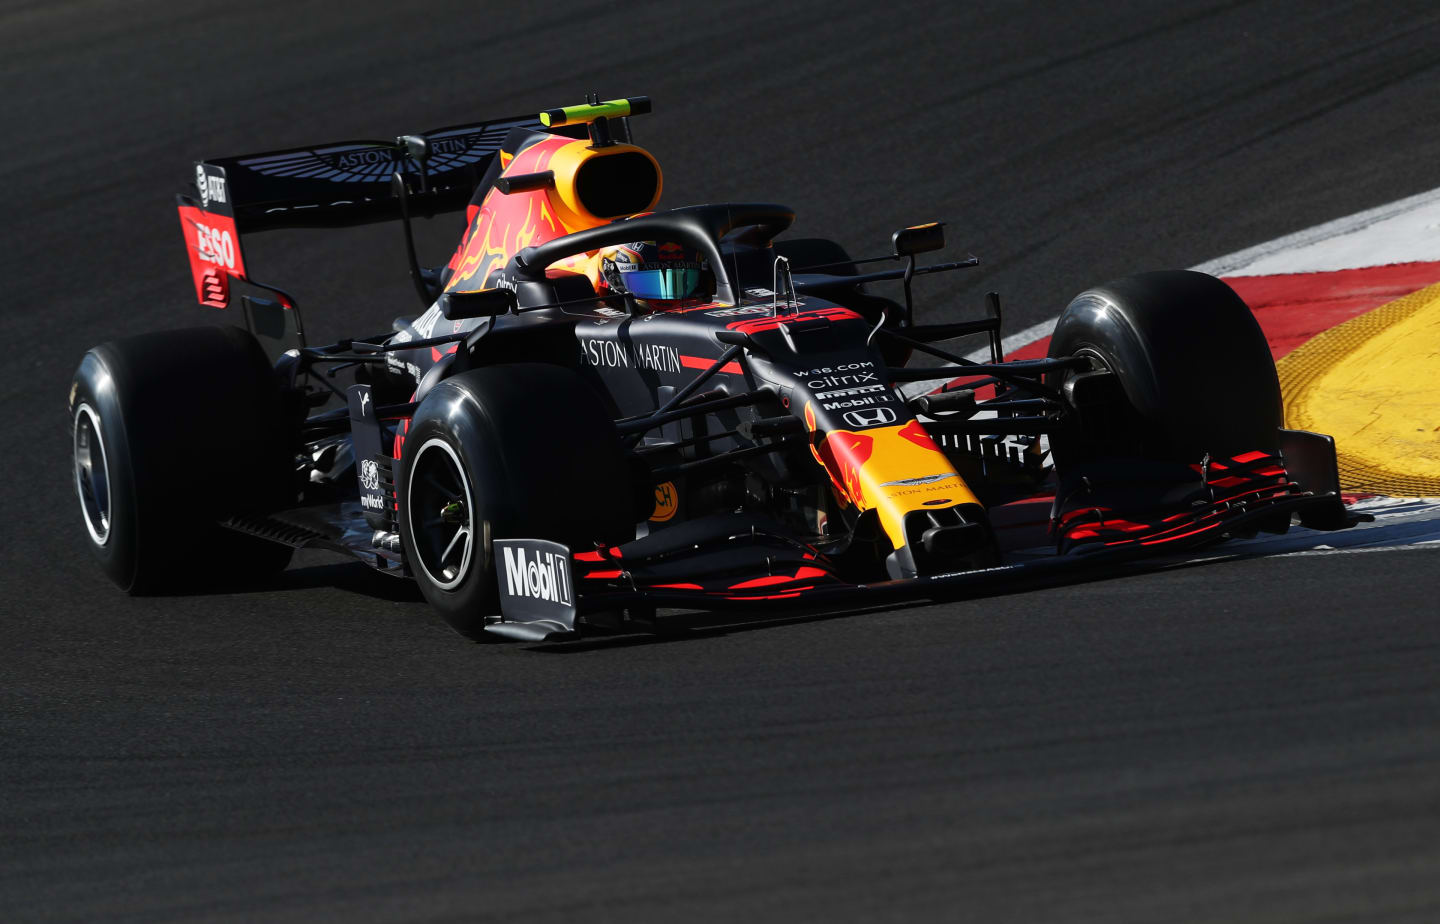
(657, 274)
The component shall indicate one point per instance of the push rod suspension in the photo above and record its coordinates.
(655, 419)
(666, 472)
(694, 410)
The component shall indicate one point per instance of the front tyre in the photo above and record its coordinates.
(1178, 368)
(525, 450)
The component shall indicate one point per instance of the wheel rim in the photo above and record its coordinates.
(440, 508)
(92, 474)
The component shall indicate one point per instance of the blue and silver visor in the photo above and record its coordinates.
(669, 284)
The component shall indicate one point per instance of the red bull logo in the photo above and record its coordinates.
(505, 225)
(844, 455)
(892, 469)
(915, 433)
(672, 251)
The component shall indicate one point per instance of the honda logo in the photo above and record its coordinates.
(870, 417)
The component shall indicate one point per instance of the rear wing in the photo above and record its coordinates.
(349, 183)
(330, 186)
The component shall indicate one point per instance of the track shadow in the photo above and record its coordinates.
(353, 576)
(697, 627)
(674, 626)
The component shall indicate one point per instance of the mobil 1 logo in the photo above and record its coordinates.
(535, 581)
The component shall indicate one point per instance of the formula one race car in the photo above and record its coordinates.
(606, 410)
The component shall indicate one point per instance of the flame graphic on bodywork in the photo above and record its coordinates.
(890, 469)
(844, 455)
(826, 460)
(917, 434)
(505, 225)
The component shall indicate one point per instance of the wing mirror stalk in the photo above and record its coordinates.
(911, 241)
(482, 303)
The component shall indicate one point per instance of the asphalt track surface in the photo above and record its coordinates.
(1248, 740)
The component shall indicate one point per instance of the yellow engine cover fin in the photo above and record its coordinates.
(589, 112)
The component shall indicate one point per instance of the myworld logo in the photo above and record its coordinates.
(545, 576)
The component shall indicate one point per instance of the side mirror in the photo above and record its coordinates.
(482, 303)
(919, 239)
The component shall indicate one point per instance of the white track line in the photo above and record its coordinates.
(1429, 545)
(1008, 345)
(1400, 524)
(1407, 231)
(1014, 342)
(1404, 231)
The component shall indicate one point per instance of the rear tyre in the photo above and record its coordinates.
(523, 450)
(171, 433)
(1179, 367)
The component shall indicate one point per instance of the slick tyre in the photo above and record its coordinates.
(173, 432)
(1179, 368)
(523, 450)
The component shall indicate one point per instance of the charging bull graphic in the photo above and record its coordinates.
(890, 469)
(506, 224)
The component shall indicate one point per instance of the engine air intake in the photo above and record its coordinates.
(622, 184)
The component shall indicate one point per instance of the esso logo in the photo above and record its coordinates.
(215, 245)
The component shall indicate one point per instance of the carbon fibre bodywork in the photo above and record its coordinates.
(775, 459)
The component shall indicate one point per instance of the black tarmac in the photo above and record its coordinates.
(1253, 740)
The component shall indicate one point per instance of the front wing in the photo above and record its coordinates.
(1111, 524)
(735, 563)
